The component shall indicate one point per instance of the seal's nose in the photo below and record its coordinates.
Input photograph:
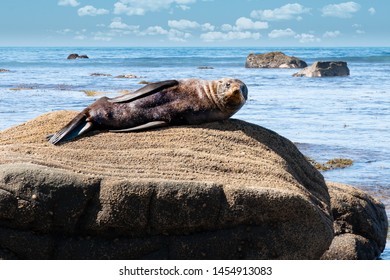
(244, 91)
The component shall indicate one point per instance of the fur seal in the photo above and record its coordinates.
(171, 102)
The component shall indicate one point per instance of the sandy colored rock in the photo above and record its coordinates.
(273, 60)
(324, 69)
(360, 224)
(223, 190)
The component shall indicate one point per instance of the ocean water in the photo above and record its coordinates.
(340, 117)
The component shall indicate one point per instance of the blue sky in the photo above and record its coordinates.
(194, 23)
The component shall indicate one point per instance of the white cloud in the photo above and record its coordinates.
(118, 24)
(154, 30)
(208, 27)
(172, 34)
(372, 11)
(228, 36)
(121, 8)
(184, 7)
(244, 28)
(137, 7)
(91, 11)
(226, 27)
(244, 23)
(102, 38)
(307, 38)
(331, 34)
(359, 31)
(286, 12)
(278, 33)
(183, 24)
(342, 10)
(64, 31)
(72, 3)
(80, 37)
(178, 36)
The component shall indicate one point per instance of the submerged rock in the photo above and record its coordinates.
(360, 224)
(127, 76)
(76, 56)
(4, 70)
(331, 164)
(100, 75)
(273, 60)
(224, 190)
(324, 69)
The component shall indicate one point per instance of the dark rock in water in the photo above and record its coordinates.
(100, 75)
(324, 69)
(205, 67)
(4, 70)
(273, 60)
(73, 56)
(76, 56)
(360, 224)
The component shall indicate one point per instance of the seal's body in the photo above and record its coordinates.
(159, 104)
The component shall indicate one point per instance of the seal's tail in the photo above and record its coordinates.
(76, 127)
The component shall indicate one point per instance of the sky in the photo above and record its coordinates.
(194, 23)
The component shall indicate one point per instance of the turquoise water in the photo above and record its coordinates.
(346, 117)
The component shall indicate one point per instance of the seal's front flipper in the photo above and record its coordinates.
(78, 126)
(144, 91)
(143, 127)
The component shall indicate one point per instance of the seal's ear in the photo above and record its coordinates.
(144, 91)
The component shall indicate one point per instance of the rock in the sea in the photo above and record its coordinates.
(324, 69)
(273, 60)
(223, 190)
(360, 224)
(100, 75)
(4, 70)
(76, 56)
(127, 76)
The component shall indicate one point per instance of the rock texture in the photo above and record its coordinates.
(324, 69)
(273, 60)
(4, 70)
(360, 224)
(76, 56)
(225, 190)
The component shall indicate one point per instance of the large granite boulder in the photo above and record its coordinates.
(324, 69)
(360, 224)
(273, 60)
(223, 190)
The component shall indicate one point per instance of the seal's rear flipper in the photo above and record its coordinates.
(144, 91)
(143, 126)
(78, 126)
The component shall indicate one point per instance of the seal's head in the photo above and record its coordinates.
(232, 93)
